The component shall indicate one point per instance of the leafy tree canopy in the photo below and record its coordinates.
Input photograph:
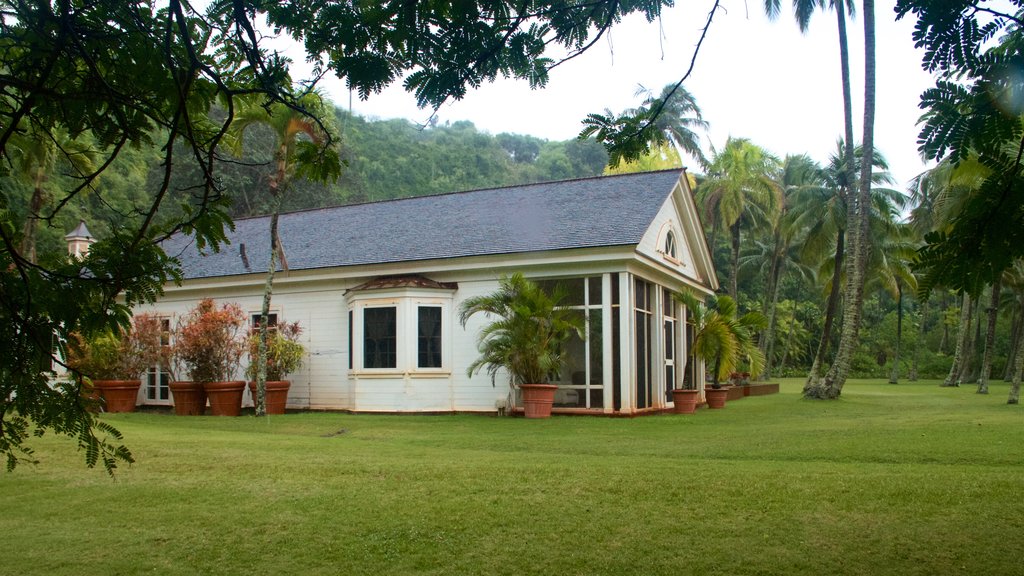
(974, 112)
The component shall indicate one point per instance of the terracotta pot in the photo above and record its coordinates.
(685, 401)
(537, 399)
(716, 398)
(277, 395)
(189, 398)
(119, 395)
(225, 397)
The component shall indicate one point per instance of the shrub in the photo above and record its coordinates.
(118, 356)
(208, 341)
(284, 353)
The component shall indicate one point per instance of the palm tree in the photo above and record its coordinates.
(798, 172)
(37, 156)
(859, 215)
(858, 225)
(722, 337)
(820, 213)
(303, 148)
(678, 118)
(527, 336)
(741, 187)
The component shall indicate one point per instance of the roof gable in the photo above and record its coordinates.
(584, 213)
(678, 216)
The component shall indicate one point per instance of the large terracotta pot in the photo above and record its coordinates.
(685, 401)
(189, 398)
(225, 397)
(277, 395)
(119, 395)
(716, 398)
(537, 399)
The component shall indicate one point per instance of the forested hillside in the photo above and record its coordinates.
(383, 159)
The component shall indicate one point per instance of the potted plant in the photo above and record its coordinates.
(209, 345)
(722, 339)
(112, 363)
(284, 356)
(526, 338)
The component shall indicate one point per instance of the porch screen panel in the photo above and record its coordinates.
(642, 323)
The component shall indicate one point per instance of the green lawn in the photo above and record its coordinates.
(908, 479)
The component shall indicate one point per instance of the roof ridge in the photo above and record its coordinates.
(461, 192)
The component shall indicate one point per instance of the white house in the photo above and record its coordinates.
(377, 289)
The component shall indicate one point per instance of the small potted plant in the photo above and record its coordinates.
(284, 356)
(526, 338)
(209, 344)
(113, 363)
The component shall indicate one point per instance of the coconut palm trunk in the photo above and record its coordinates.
(858, 218)
(953, 378)
(28, 240)
(918, 342)
(894, 375)
(1018, 367)
(1016, 328)
(814, 376)
(990, 337)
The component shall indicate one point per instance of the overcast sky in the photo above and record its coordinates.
(754, 78)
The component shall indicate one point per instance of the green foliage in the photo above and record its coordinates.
(666, 120)
(722, 338)
(284, 352)
(208, 341)
(118, 356)
(528, 334)
(975, 49)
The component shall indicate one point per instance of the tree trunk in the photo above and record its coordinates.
(734, 281)
(969, 371)
(277, 189)
(1015, 333)
(1018, 367)
(789, 343)
(953, 378)
(858, 222)
(35, 205)
(814, 377)
(990, 338)
(894, 376)
(772, 301)
(919, 342)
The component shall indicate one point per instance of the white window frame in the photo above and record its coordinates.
(406, 306)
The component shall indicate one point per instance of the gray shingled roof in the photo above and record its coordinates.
(590, 212)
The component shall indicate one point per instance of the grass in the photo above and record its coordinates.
(908, 479)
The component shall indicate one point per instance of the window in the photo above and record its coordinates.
(254, 320)
(429, 336)
(380, 336)
(670, 245)
(157, 380)
(400, 326)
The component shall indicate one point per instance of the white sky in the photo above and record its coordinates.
(754, 78)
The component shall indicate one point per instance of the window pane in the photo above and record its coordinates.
(429, 336)
(379, 338)
(595, 290)
(573, 288)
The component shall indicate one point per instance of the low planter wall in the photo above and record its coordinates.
(736, 392)
(762, 388)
